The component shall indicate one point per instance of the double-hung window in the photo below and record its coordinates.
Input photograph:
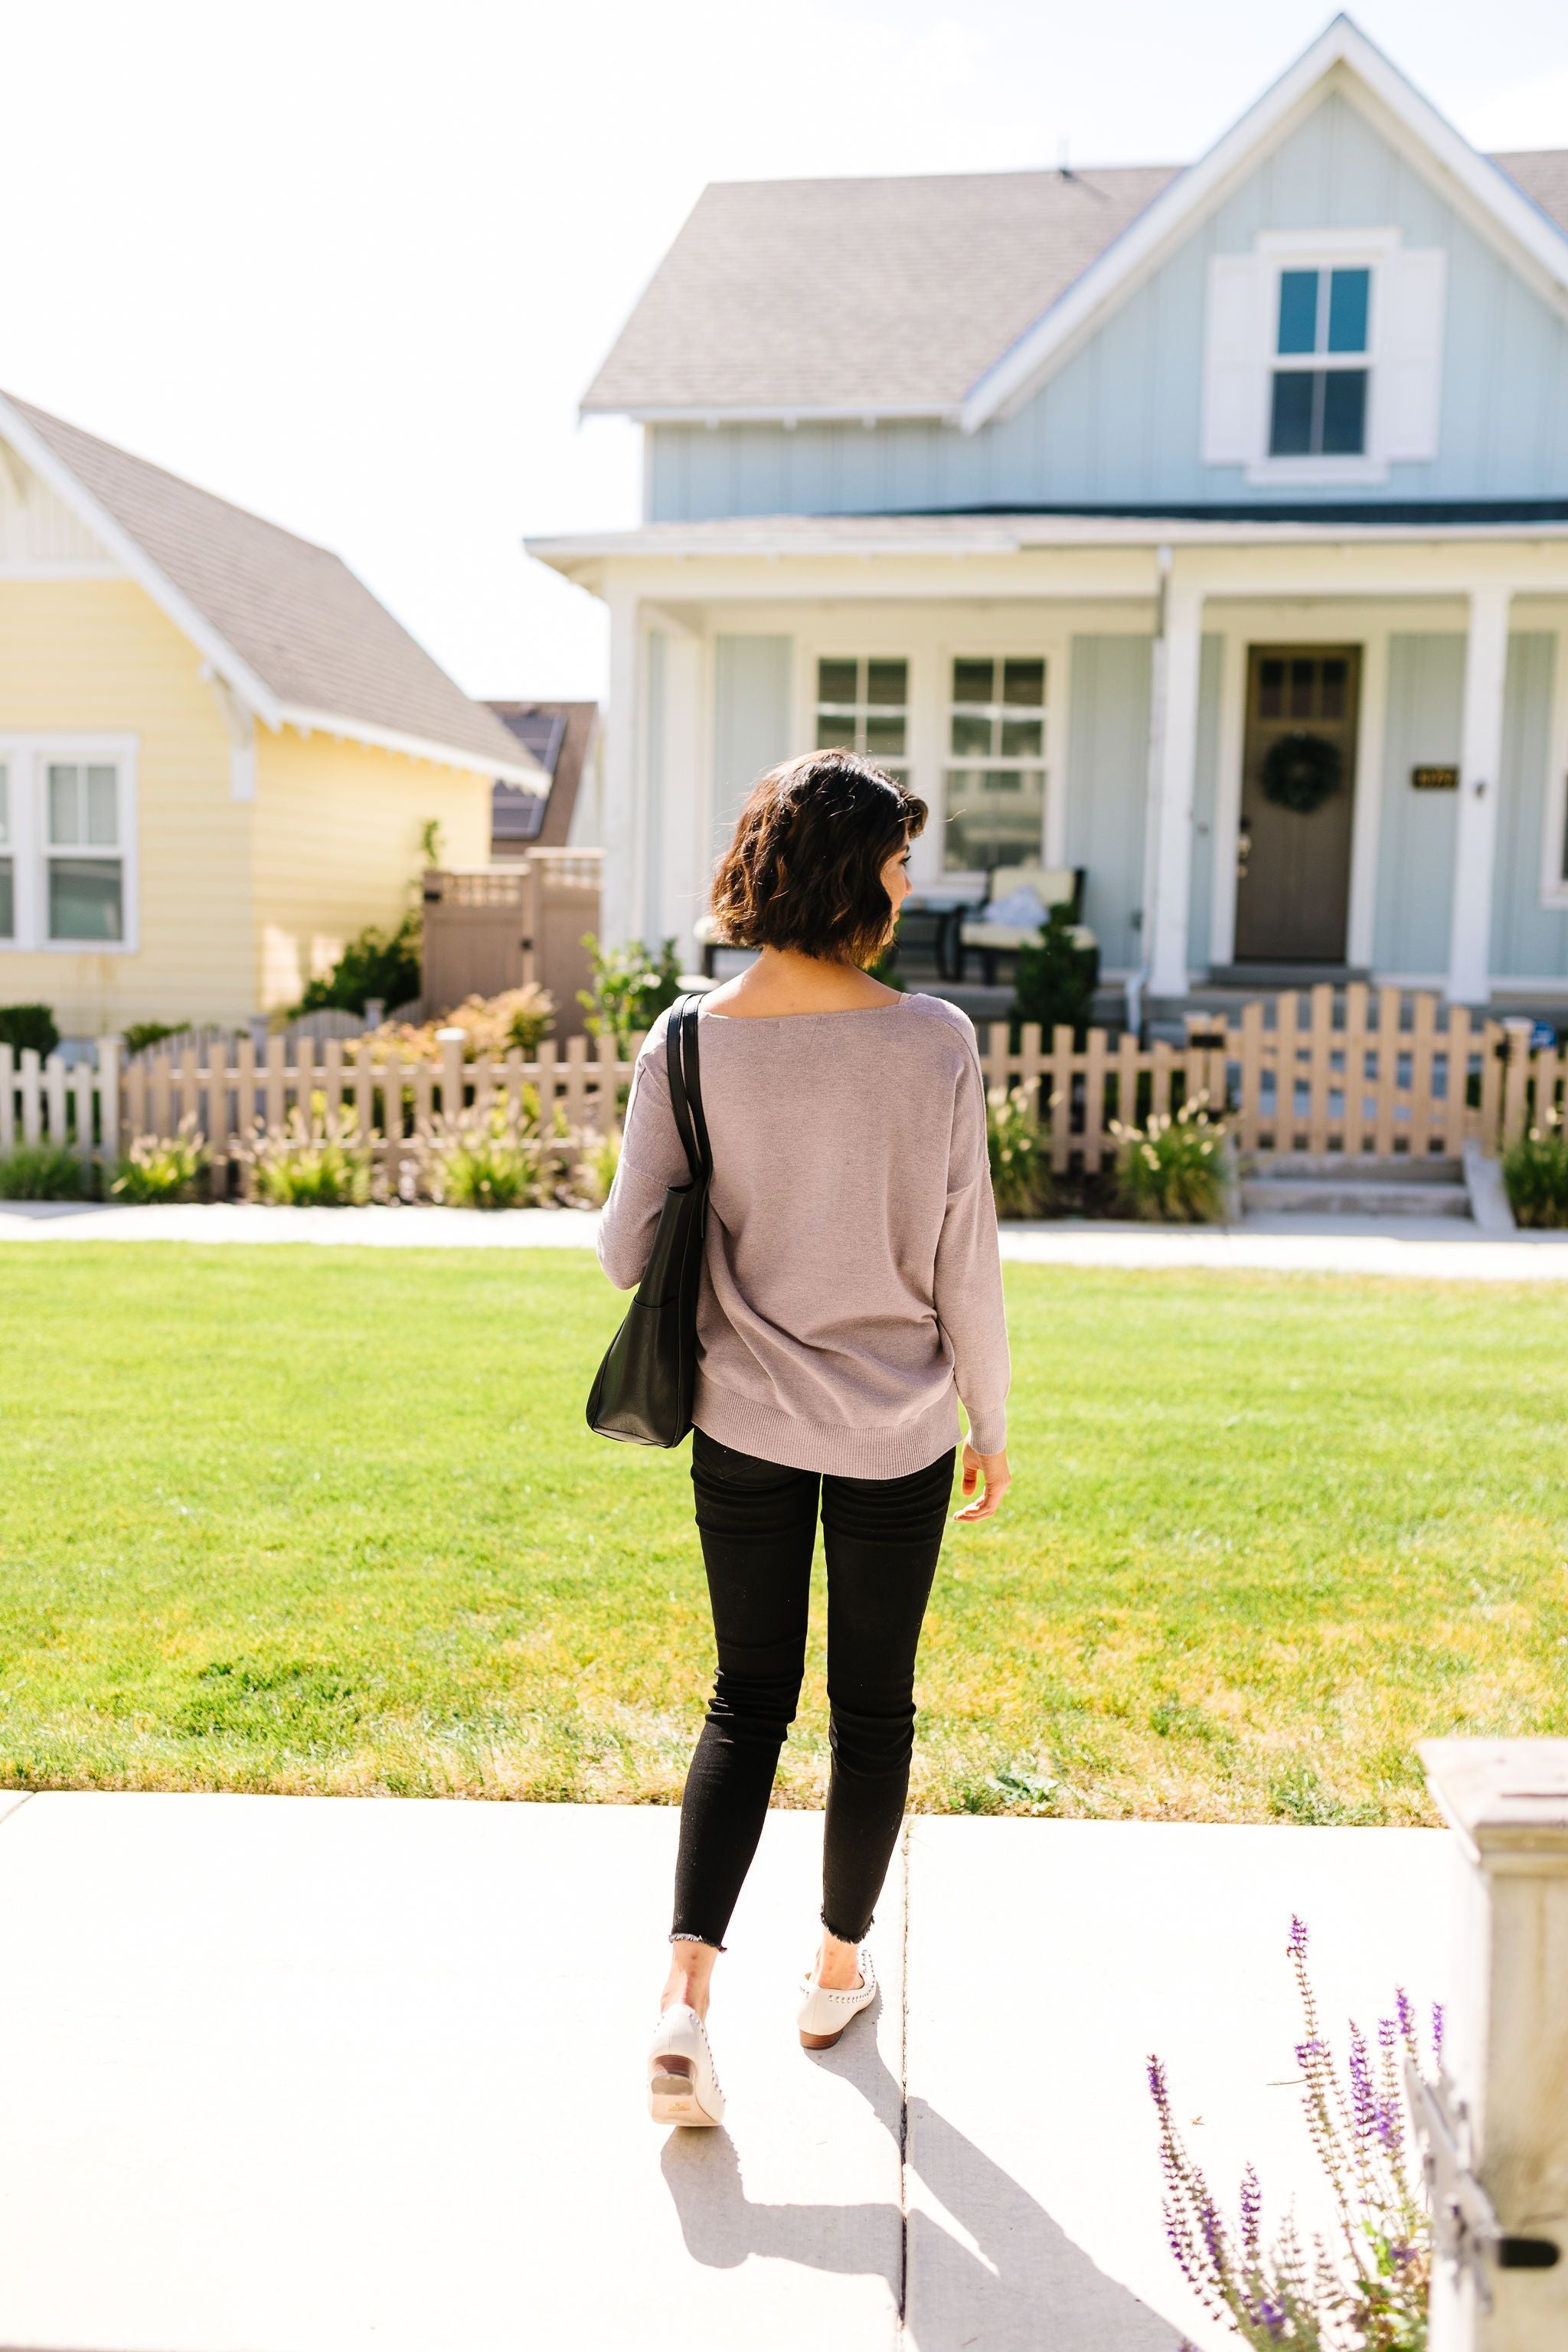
(997, 776)
(1318, 404)
(863, 705)
(85, 876)
(67, 842)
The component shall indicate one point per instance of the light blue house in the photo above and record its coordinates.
(1204, 528)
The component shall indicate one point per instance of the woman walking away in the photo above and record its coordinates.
(851, 1296)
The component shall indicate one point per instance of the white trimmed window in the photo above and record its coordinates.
(863, 705)
(995, 807)
(1324, 356)
(67, 844)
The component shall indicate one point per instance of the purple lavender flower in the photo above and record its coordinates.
(1251, 2215)
(1363, 2100)
(1438, 2021)
(1297, 1947)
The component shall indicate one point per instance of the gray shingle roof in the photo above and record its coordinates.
(831, 293)
(882, 293)
(1542, 173)
(295, 614)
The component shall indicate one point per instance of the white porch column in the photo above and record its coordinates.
(1173, 759)
(686, 863)
(1497, 2127)
(621, 759)
(1480, 755)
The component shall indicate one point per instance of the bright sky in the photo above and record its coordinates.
(352, 262)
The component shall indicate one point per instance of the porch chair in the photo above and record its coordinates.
(1009, 920)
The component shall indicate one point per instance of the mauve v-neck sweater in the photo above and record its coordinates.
(852, 1283)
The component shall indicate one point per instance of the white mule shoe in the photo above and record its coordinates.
(682, 2083)
(823, 2015)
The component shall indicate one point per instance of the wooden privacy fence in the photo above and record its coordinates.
(498, 927)
(1368, 1072)
(1361, 1074)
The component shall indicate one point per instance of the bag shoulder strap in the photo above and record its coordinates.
(691, 1072)
(686, 1085)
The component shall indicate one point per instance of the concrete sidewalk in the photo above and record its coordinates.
(281, 2077)
(1431, 1249)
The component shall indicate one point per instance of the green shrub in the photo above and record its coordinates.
(22, 1026)
(378, 964)
(1054, 983)
(313, 1164)
(163, 1167)
(42, 1171)
(1019, 1149)
(483, 1160)
(140, 1034)
(886, 967)
(1535, 1170)
(1173, 1169)
(631, 987)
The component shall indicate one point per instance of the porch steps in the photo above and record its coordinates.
(1297, 1183)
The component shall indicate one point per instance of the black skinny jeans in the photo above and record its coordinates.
(758, 1525)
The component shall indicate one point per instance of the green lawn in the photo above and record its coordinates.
(330, 1520)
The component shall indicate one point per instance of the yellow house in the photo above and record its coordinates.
(218, 752)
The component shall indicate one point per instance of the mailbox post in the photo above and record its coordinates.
(1495, 2130)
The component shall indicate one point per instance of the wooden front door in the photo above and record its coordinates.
(1293, 871)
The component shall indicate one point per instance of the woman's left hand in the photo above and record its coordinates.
(990, 1472)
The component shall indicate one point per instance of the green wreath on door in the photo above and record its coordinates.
(1300, 772)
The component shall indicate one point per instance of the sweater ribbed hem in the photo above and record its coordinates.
(834, 1448)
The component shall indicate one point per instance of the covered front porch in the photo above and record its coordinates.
(1104, 694)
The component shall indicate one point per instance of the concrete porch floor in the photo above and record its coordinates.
(280, 2078)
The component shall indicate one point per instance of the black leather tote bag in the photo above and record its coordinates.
(643, 1393)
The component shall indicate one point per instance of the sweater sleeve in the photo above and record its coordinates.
(968, 1289)
(652, 1160)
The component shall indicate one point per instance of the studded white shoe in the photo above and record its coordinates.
(823, 2015)
(682, 2082)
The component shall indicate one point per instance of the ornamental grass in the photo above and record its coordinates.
(160, 1168)
(1172, 1170)
(1018, 1143)
(1535, 1171)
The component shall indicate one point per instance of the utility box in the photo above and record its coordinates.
(1496, 2129)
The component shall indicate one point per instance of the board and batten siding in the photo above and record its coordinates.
(1121, 422)
(338, 828)
(1528, 940)
(752, 719)
(1107, 787)
(1416, 829)
(96, 656)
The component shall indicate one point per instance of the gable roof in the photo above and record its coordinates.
(952, 296)
(838, 296)
(290, 628)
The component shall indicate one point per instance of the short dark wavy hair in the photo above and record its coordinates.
(804, 870)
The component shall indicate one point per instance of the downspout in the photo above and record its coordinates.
(1139, 980)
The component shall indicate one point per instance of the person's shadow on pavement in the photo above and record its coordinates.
(1028, 2287)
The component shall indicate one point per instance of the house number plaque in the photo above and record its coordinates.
(1434, 780)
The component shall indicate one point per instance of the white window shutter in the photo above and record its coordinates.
(1408, 370)
(1235, 360)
